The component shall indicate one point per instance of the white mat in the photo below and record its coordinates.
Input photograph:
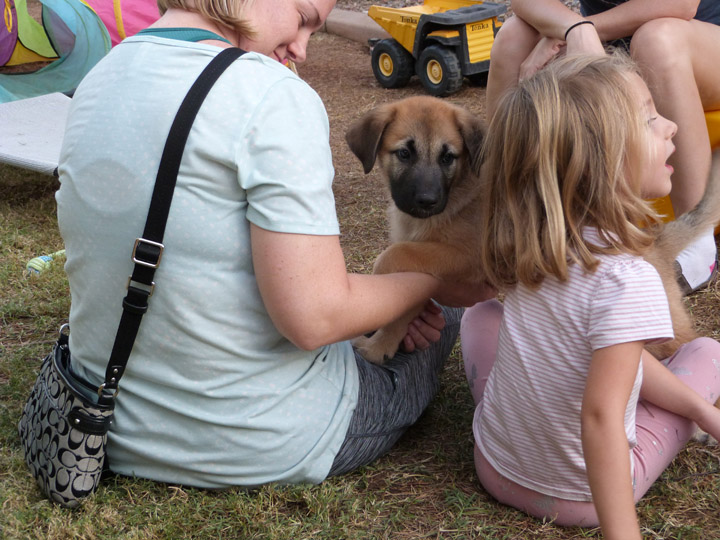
(31, 132)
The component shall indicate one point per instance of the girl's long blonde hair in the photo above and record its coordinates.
(228, 13)
(563, 152)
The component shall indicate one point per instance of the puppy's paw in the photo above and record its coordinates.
(371, 349)
(704, 438)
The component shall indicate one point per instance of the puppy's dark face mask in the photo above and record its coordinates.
(422, 145)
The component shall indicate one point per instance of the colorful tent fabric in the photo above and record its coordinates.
(22, 38)
(125, 18)
(8, 32)
(78, 37)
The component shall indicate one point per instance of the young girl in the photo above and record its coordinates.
(576, 420)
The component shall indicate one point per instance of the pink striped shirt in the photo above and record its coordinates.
(528, 424)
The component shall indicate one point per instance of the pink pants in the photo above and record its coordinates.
(660, 433)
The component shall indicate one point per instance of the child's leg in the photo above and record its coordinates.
(662, 434)
(479, 337)
(564, 512)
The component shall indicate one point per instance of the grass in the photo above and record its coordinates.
(425, 488)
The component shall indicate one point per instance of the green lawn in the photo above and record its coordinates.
(426, 487)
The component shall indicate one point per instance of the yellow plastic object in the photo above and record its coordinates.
(401, 23)
(713, 123)
(663, 205)
(480, 38)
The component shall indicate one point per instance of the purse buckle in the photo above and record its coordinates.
(149, 263)
(101, 389)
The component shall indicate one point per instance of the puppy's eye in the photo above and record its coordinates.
(447, 159)
(403, 154)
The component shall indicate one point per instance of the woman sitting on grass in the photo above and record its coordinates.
(575, 419)
(241, 373)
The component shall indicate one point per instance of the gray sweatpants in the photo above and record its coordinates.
(392, 397)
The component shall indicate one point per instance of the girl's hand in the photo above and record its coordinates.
(425, 329)
(709, 420)
(545, 50)
(664, 389)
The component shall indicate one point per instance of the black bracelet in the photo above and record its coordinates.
(576, 24)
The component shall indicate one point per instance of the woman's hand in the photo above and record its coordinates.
(310, 310)
(583, 39)
(425, 329)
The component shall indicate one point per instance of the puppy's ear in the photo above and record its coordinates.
(365, 134)
(473, 130)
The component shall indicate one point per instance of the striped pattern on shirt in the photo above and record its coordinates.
(528, 424)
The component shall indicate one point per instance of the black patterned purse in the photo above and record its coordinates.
(65, 422)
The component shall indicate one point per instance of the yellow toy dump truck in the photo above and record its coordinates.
(441, 41)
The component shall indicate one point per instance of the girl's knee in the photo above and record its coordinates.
(482, 315)
(705, 345)
(698, 364)
(702, 349)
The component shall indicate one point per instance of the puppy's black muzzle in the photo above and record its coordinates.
(421, 194)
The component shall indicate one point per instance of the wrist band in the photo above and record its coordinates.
(576, 24)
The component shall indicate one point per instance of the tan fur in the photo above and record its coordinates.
(671, 240)
(441, 244)
(444, 244)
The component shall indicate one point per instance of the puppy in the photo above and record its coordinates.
(429, 152)
(671, 239)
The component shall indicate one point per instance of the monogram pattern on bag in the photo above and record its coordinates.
(66, 462)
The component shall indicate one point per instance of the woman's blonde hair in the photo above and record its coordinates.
(228, 13)
(564, 152)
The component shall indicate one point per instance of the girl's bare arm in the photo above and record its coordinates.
(662, 388)
(607, 455)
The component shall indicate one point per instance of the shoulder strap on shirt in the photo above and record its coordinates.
(148, 249)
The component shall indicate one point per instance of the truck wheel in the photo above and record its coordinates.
(391, 64)
(439, 70)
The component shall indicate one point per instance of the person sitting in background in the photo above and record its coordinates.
(676, 43)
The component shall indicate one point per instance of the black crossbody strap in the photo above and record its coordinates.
(147, 251)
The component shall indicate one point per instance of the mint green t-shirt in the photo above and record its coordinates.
(213, 395)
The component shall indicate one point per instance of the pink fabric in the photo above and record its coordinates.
(660, 434)
(135, 15)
